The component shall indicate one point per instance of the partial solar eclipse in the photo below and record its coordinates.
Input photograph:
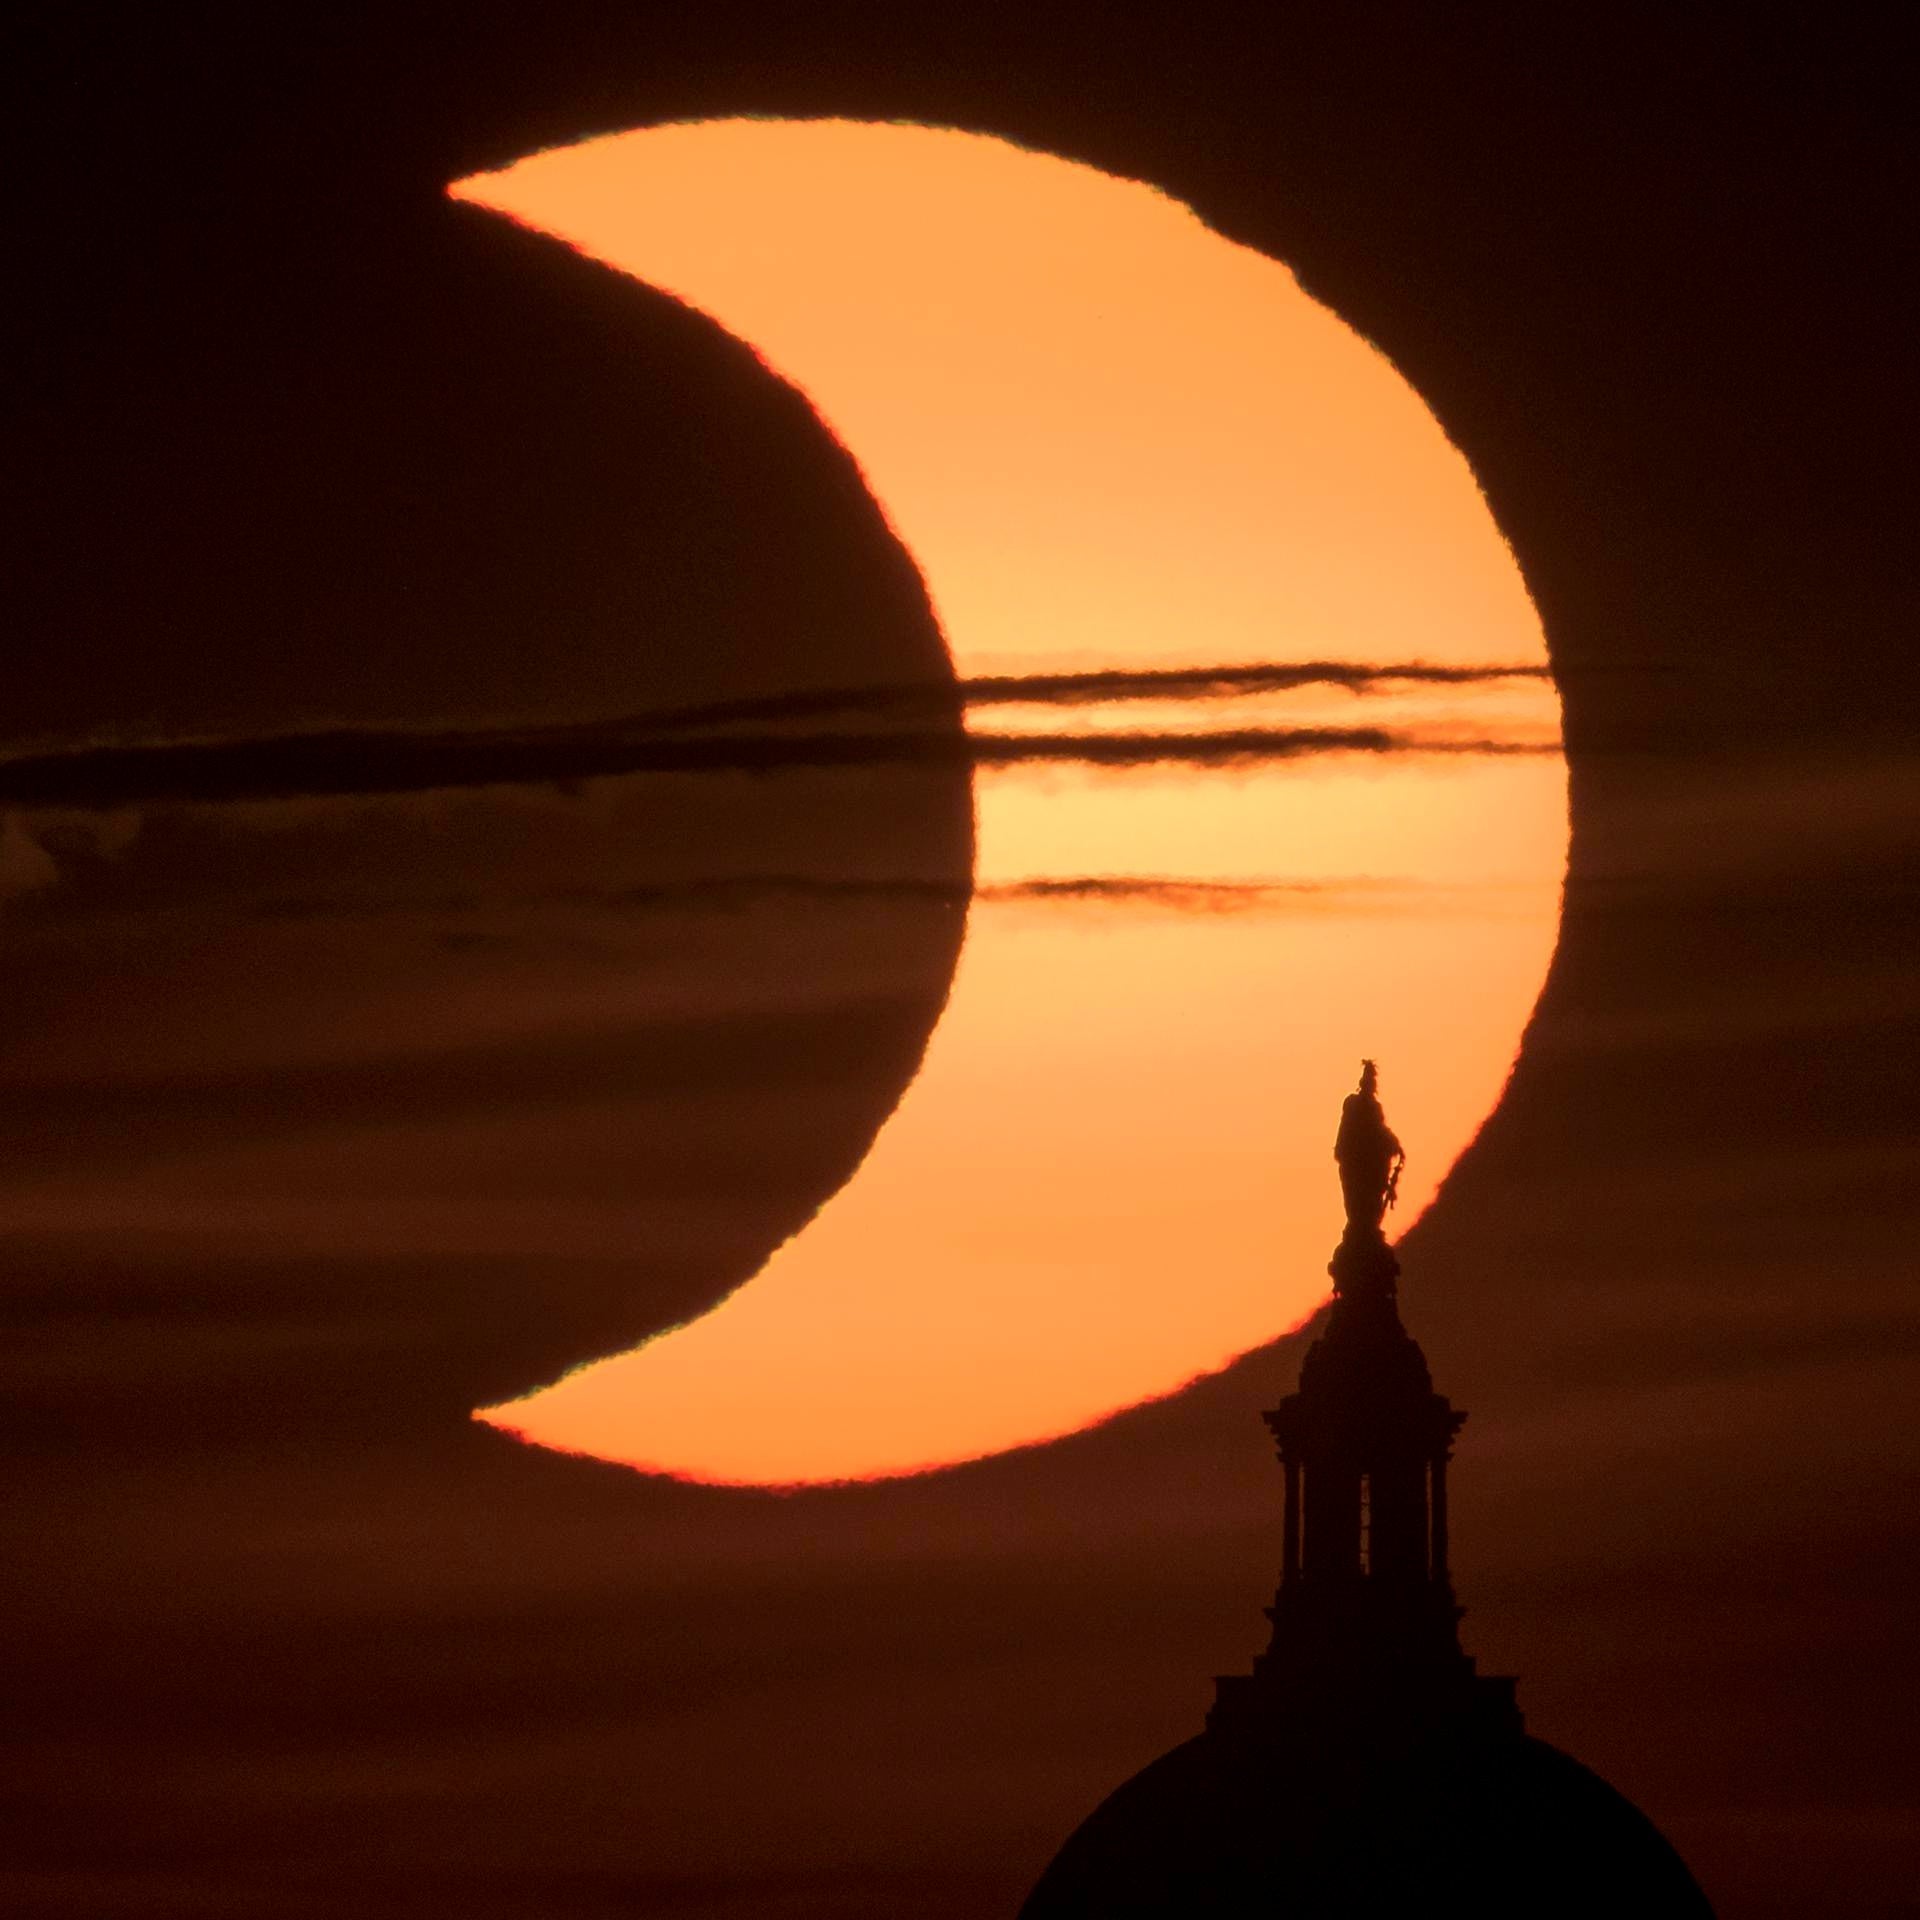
(1112, 440)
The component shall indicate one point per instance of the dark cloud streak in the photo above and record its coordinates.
(1101, 686)
(305, 766)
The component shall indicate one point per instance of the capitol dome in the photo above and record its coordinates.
(1459, 1826)
(1365, 1766)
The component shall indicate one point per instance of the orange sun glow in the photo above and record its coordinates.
(1110, 438)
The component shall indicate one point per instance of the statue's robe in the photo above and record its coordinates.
(1365, 1150)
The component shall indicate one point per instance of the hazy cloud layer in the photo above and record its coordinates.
(25, 864)
(746, 891)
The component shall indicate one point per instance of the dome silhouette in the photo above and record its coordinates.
(1457, 1825)
(1365, 1767)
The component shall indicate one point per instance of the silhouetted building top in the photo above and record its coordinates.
(1364, 1766)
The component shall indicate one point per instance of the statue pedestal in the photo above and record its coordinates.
(1363, 1265)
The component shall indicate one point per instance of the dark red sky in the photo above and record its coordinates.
(293, 1639)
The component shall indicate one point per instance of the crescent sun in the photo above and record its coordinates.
(1113, 440)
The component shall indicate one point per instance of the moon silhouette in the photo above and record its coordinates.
(1114, 441)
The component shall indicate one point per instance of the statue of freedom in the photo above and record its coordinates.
(1368, 1154)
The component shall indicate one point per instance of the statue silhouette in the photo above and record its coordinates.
(1368, 1154)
